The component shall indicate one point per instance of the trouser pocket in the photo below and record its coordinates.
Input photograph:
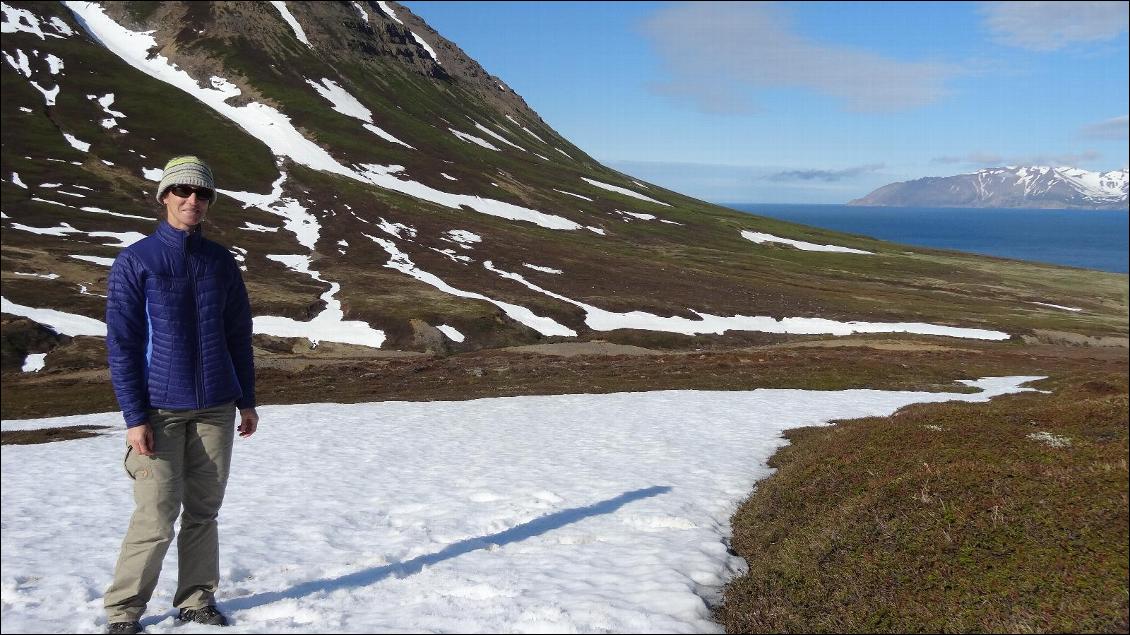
(138, 467)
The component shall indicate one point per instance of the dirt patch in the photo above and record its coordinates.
(51, 376)
(265, 360)
(881, 345)
(572, 349)
(1075, 339)
(1101, 388)
(47, 435)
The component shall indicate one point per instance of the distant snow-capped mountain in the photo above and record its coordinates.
(1033, 186)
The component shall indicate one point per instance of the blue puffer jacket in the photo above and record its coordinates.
(178, 326)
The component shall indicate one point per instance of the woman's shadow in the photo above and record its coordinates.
(535, 527)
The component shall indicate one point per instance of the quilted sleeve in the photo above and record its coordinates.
(237, 324)
(127, 338)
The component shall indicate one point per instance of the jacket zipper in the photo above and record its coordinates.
(196, 312)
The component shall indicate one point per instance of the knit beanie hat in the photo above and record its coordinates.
(187, 170)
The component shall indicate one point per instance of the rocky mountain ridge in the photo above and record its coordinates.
(1025, 186)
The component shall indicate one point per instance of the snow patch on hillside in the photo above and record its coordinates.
(452, 333)
(361, 10)
(105, 101)
(46, 276)
(59, 321)
(297, 220)
(637, 215)
(18, 20)
(76, 143)
(380, 175)
(622, 190)
(542, 269)
(400, 261)
(298, 32)
(389, 12)
(601, 320)
(98, 260)
(759, 237)
(497, 136)
(22, 64)
(34, 363)
(125, 239)
(531, 133)
(1059, 306)
(419, 40)
(461, 236)
(383, 134)
(580, 196)
(470, 138)
(426, 47)
(328, 326)
(344, 102)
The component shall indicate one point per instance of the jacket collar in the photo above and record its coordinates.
(183, 240)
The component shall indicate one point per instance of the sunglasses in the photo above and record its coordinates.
(185, 191)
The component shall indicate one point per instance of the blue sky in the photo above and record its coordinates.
(811, 102)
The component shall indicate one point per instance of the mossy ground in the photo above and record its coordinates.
(945, 518)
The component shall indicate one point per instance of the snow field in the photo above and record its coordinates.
(569, 513)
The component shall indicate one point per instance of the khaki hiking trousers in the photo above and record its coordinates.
(190, 467)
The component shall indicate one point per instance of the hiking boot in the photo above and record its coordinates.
(124, 628)
(209, 615)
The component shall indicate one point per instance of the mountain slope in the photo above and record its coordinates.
(1036, 187)
(381, 189)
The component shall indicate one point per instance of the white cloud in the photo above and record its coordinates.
(716, 52)
(762, 183)
(1069, 159)
(989, 159)
(1048, 26)
(1117, 129)
(975, 158)
(829, 176)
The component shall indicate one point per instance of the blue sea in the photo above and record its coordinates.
(1077, 238)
